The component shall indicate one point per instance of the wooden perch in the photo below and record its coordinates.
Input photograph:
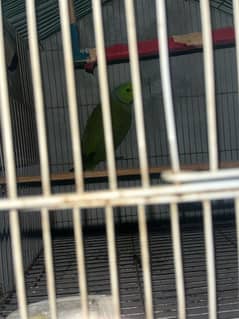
(178, 45)
(97, 176)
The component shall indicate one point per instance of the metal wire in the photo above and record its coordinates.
(140, 130)
(145, 261)
(46, 233)
(173, 146)
(79, 243)
(15, 12)
(166, 83)
(105, 102)
(112, 260)
(236, 24)
(42, 141)
(162, 269)
(222, 5)
(11, 178)
(137, 90)
(209, 83)
(236, 17)
(213, 151)
(71, 93)
(178, 262)
(162, 195)
(210, 258)
(104, 91)
(184, 177)
(237, 229)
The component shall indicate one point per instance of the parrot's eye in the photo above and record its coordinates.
(128, 90)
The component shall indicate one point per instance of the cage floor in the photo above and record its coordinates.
(130, 271)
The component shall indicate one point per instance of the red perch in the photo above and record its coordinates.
(178, 45)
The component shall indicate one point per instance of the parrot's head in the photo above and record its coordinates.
(124, 93)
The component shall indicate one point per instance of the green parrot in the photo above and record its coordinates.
(93, 146)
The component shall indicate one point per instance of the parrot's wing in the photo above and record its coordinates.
(93, 147)
(121, 121)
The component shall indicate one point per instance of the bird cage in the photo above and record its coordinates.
(21, 99)
(133, 109)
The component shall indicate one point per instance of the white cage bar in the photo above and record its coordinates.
(11, 178)
(42, 141)
(104, 91)
(75, 137)
(137, 91)
(236, 17)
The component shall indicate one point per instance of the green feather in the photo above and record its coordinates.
(93, 146)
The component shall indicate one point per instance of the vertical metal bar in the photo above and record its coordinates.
(212, 143)
(80, 261)
(71, 93)
(173, 146)
(11, 178)
(143, 234)
(109, 215)
(7, 135)
(209, 83)
(38, 93)
(75, 137)
(108, 134)
(210, 259)
(42, 141)
(18, 263)
(178, 262)
(236, 27)
(237, 228)
(166, 83)
(46, 232)
(137, 90)
(104, 91)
